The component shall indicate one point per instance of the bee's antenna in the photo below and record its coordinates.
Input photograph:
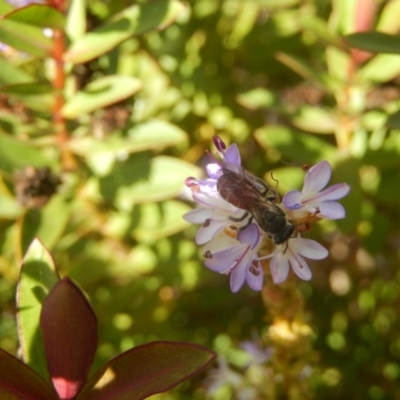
(275, 180)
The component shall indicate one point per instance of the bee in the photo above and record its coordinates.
(249, 193)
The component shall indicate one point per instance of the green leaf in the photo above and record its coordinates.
(382, 68)
(38, 276)
(101, 93)
(321, 29)
(10, 74)
(19, 382)
(256, 98)
(393, 120)
(315, 119)
(302, 68)
(152, 221)
(9, 208)
(146, 370)
(17, 154)
(140, 179)
(374, 42)
(5, 7)
(39, 15)
(134, 20)
(76, 19)
(25, 38)
(150, 135)
(35, 95)
(298, 146)
(29, 88)
(48, 223)
(388, 20)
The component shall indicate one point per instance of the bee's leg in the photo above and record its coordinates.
(248, 222)
(287, 244)
(239, 219)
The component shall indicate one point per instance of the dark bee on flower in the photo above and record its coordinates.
(249, 193)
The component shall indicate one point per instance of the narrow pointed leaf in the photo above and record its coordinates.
(17, 154)
(69, 330)
(142, 180)
(19, 382)
(146, 370)
(28, 88)
(26, 38)
(37, 277)
(154, 134)
(134, 20)
(76, 19)
(40, 15)
(10, 74)
(375, 42)
(100, 93)
(393, 120)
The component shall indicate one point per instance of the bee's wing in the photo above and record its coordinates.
(237, 190)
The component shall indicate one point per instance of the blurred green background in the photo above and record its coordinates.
(144, 87)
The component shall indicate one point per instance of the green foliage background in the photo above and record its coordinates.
(144, 94)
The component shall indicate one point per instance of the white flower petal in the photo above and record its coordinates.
(332, 210)
(279, 268)
(198, 216)
(309, 248)
(292, 199)
(238, 274)
(250, 235)
(333, 192)
(213, 170)
(213, 200)
(316, 178)
(206, 233)
(225, 259)
(219, 243)
(300, 267)
(255, 276)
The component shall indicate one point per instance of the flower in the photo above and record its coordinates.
(291, 254)
(214, 213)
(233, 231)
(237, 258)
(314, 201)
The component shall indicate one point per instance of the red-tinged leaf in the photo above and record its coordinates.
(38, 276)
(69, 330)
(19, 382)
(146, 370)
(40, 15)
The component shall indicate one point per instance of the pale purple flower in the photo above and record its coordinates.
(214, 215)
(214, 212)
(313, 199)
(237, 258)
(255, 349)
(291, 254)
(231, 244)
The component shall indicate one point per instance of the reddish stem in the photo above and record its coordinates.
(60, 127)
